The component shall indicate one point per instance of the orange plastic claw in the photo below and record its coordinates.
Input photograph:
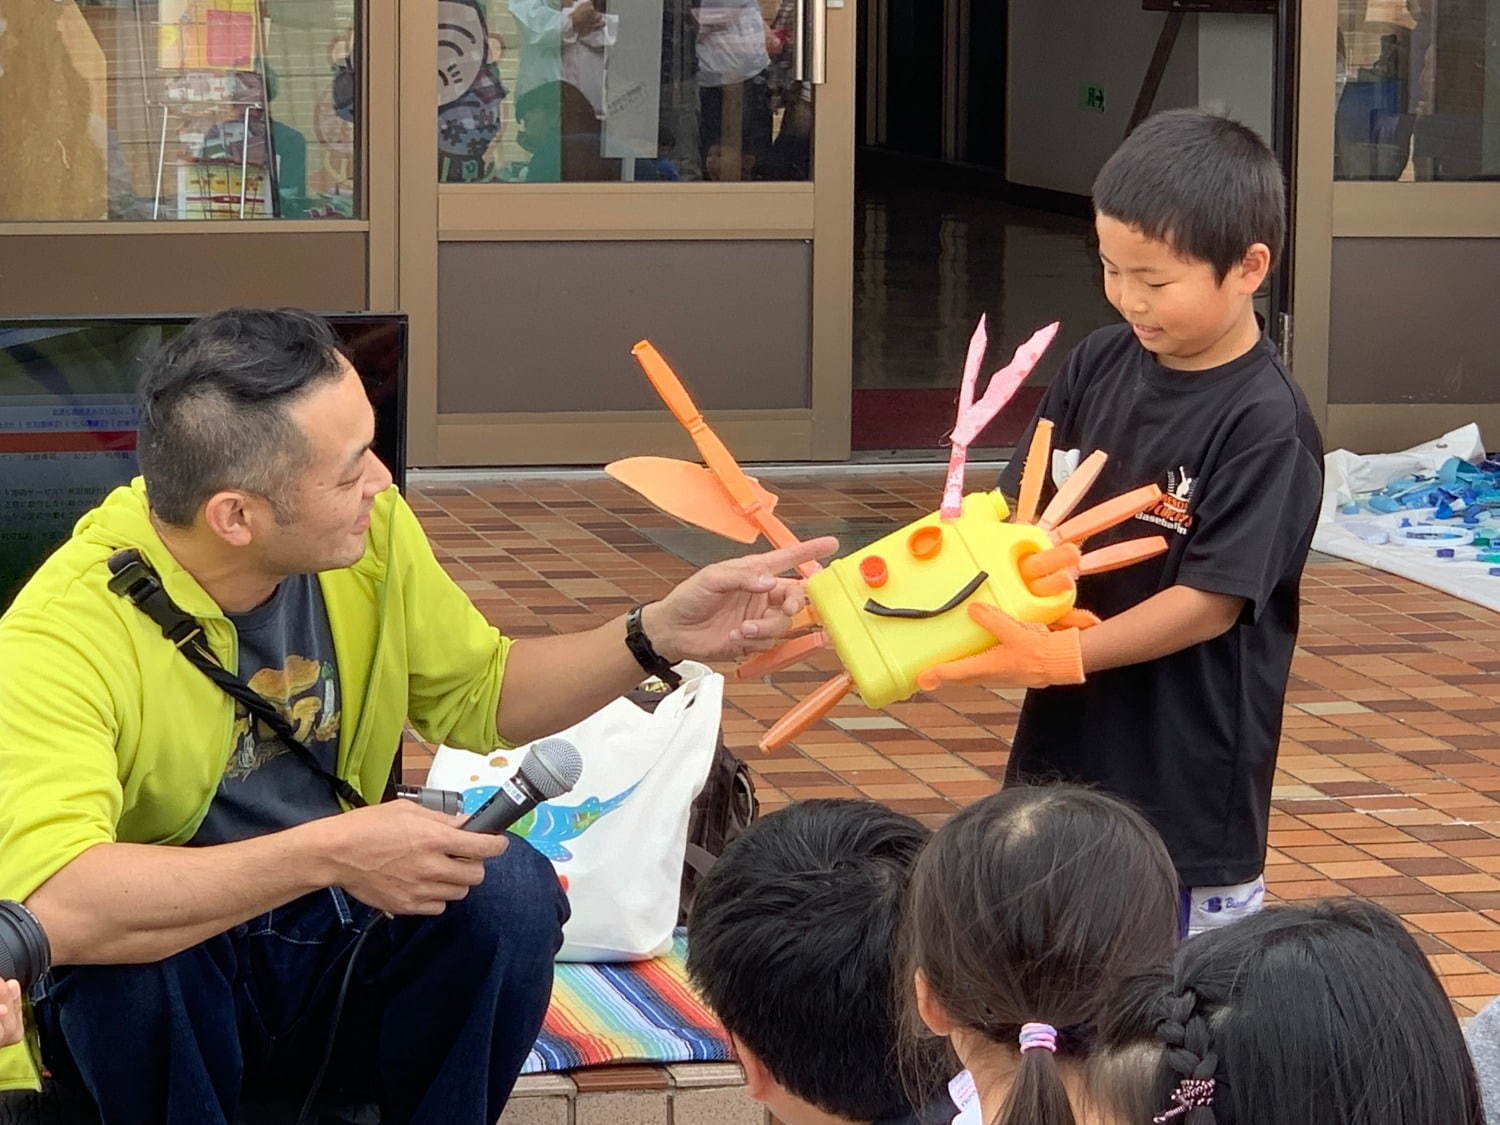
(742, 490)
(1108, 514)
(782, 656)
(822, 700)
(1058, 582)
(1035, 472)
(1073, 490)
(1117, 555)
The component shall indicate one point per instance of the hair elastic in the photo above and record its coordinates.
(1191, 1094)
(1042, 1035)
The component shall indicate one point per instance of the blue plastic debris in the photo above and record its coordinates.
(1445, 552)
(1495, 572)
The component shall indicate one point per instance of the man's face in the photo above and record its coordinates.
(330, 502)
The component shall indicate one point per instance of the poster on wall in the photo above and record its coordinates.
(632, 81)
(206, 34)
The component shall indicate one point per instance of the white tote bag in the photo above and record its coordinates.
(617, 839)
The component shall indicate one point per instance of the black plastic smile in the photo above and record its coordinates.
(872, 606)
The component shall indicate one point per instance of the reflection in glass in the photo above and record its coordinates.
(620, 90)
(177, 109)
(1418, 87)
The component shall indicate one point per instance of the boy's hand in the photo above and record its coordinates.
(1030, 656)
(10, 1013)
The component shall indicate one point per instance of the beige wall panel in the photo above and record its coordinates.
(187, 273)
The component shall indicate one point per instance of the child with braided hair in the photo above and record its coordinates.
(1326, 1013)
(1024, 912)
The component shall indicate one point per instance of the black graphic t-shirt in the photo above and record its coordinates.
(1190, 739)
(286, 654)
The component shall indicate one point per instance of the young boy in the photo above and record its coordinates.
(1181, 709)
(792, 942)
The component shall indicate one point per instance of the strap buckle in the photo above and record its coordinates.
(132, 578)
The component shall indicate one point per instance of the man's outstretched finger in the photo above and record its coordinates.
(785, 558)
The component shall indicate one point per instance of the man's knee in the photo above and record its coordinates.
(520, 897)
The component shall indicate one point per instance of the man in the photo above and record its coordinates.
(202, 886)
(794, 942)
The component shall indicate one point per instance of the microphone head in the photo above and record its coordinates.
(553, 767)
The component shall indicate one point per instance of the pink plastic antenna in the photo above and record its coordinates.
(974, 416)
(1035, 472)
(823, 699)
(1073, 490)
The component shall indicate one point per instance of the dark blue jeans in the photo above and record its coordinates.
(440, 1015)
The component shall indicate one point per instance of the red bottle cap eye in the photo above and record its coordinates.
(873, 570)
(926, 542)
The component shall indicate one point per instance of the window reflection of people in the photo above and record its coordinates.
(563, 135)
(733, 56)
(790, 157)
(565, 41)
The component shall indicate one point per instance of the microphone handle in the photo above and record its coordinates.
(510, 803)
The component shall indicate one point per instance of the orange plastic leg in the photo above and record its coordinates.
(823, 700)
(1073, 490)
(1114, 511)
(1063, 557)
(804, 619)
(1117, 555)
(1035, 472)
(782, 656)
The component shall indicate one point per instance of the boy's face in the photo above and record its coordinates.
(1180, 311)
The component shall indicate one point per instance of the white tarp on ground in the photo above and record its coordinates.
(1348, 474)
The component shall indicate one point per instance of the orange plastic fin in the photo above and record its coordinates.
(1117, 555)
(1073, 490)
(716, 455)
(1035, 472)
(690, 492)
(1063, 557)
(782, 656)
(1113, 511)
(823, 699)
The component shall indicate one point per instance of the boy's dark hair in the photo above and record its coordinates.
(1030, 906)
(1327, 1012)
(1207, 186)
(214, 408)
(792, 941)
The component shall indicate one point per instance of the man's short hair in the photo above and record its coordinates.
(1207, 186)
(793, 942)
(214, 408)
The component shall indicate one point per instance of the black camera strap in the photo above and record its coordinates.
(133, 578)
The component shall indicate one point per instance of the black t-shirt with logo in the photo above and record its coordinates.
(1190, 739)
(286, 654)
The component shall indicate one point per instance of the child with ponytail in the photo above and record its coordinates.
(1325, 1014)
(1025, 912)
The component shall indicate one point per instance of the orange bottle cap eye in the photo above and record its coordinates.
(873, 570)
(926, 542)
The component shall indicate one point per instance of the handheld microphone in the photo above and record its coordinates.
(551, 769)
(25, 953)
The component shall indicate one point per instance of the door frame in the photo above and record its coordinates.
(820, 212)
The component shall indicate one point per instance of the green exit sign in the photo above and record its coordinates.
(1092, 97)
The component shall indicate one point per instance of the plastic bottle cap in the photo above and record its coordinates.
(873, 570)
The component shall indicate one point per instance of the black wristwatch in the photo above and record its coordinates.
(646, 656)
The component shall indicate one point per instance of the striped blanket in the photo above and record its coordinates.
(643, 1012)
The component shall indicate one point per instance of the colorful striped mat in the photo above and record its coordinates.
(643, 1012)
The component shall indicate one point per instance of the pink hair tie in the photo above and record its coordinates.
(1042, 1035)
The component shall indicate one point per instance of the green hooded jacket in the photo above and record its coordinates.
(108, 734)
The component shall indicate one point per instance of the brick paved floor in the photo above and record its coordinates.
(1389, 778)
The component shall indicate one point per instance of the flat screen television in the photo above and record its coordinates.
(68, 416)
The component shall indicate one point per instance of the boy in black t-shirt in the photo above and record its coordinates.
(1186, 674)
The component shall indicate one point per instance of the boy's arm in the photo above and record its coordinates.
(1177, 618)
